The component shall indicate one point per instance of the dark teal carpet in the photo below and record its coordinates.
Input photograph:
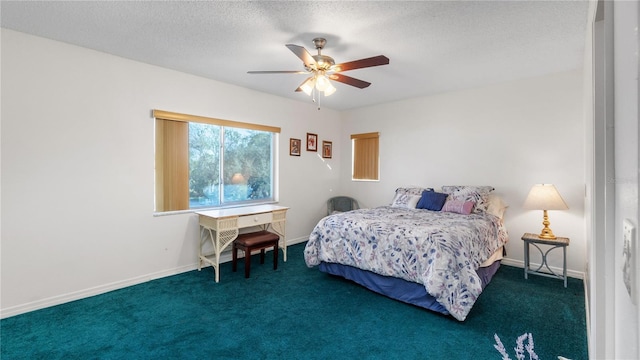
(296, 313)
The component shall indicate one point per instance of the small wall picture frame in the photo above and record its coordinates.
(294, 146)
(312, 142)
(327, 149)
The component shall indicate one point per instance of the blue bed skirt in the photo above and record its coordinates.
(400, 289)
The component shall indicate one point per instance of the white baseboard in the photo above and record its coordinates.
(557, 270)
(85, 293)
(97, 290)
(224, 257)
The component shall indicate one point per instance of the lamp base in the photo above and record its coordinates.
(546, 232)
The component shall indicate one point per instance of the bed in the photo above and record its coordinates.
(438, 256)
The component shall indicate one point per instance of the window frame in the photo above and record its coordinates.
(172, 175)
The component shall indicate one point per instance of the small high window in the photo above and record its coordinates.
(365, 160)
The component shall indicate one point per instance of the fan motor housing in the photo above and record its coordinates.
(324, 62)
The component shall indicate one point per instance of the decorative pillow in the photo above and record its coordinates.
(476, 194)
(496, 206)
(458, 206)
(413, 190)
(432, 200)
(405, 201)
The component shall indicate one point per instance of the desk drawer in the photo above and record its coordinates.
(255, 219)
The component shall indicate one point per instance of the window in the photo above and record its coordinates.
(204, 162)
(365, 150)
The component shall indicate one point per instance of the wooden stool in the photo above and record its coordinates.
(248, 242)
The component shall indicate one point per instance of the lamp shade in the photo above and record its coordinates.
(237, 178)
(544, 197)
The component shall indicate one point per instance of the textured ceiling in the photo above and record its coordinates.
(433, 46)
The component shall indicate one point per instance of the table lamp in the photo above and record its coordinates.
(545, 197)
(237, 178)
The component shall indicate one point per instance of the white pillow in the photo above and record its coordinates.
(406, 201)
(496, 206)
(411, 190)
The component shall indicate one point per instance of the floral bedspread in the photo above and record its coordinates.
(440, 250)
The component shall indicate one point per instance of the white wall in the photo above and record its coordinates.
(78, 169)
(625, 57)
(510, 136)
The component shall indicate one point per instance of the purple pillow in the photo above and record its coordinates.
(458, 206)
(477, 194)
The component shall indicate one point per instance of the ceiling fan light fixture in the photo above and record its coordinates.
(308, 85)
(322, 82)
(329, 90)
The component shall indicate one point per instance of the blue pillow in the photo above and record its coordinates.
(432, 200)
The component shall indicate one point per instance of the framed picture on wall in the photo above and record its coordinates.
(312, 142)
(327, 150)
(294, 147)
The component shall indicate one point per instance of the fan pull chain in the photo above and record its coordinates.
(313, 97)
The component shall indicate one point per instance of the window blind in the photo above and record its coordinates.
(365, 156)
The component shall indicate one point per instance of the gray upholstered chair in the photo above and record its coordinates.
(341, 204)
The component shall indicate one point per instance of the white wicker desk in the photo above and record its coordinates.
(221, 227)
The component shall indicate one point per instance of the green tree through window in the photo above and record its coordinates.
(204, 164)
(229, 165)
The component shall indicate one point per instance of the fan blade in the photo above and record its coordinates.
(349, 80)
(362, 63)
(300, 87)
(278, 72)
(303, 54)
